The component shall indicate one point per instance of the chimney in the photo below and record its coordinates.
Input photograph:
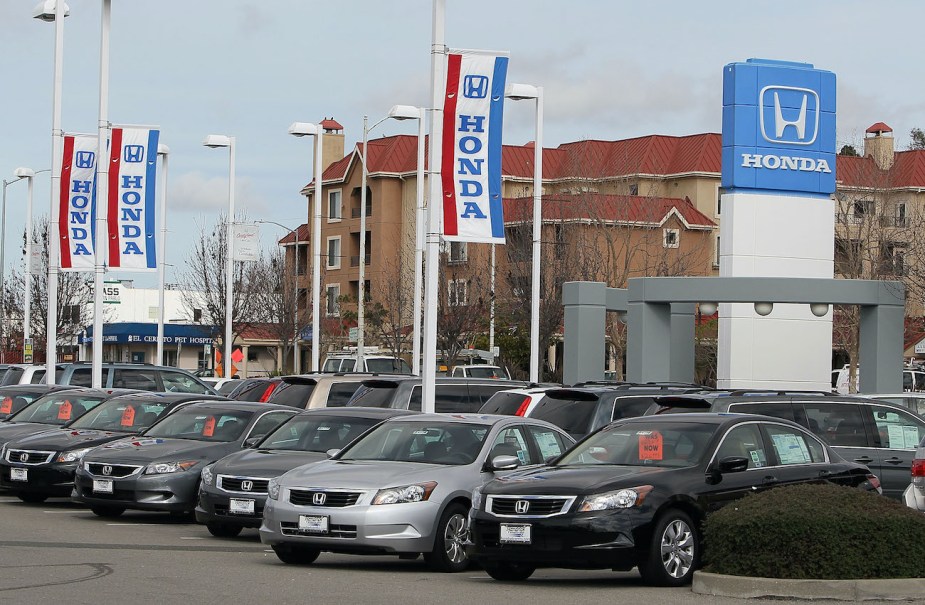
(878, 144)
(332, 142)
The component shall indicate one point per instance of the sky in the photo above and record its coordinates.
(610, 69)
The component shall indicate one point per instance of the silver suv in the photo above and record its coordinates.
(138, 376)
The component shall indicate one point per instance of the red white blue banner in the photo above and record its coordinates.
(471, 152)
(77, 202)
(131, 209)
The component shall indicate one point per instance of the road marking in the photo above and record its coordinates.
(191, 538)
(61, 512)
(130, 524)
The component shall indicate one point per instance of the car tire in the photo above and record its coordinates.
(296, 555)
(448, 555)
(674, 551)
(31, 498)
(223, 530)
(507, 571)
(107, 512)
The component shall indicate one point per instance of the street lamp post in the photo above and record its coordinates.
(296, 366)
(163, 151)
(6, 183)
(302, 129)
(215, 141)
(519, 92)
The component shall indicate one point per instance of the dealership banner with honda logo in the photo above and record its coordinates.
(471, 153)
(131, 212)
(77, 202)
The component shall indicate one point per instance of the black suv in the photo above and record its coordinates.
(451, 395)
(879, 434)
(138, 376)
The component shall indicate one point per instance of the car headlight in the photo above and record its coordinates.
(621, 498)
(417, 492)
(207, 475)
(273, 489)
(476, 498)
(73, 455)
(160, 468)
(3, 452)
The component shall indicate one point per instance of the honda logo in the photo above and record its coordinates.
(521, 506)
(133, 154)
(319, 498)
(783, 112)
(107, 470)
(84, 159)
(247, 486)
(475, 87)
(24, 457)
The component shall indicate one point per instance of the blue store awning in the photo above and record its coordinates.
(141, 333)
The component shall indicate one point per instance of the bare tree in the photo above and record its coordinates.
(277, 296)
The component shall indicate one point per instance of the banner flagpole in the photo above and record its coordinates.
(102, 188)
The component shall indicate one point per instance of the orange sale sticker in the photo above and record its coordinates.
(650, 446)
(128, 416)
(208, 429)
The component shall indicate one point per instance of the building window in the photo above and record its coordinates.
(671, 238)
(899, 215)
(861, 209)
(333, 252)
(892, 259)
(719, 200)
(331, 302)
(458, 292)
(634, 188)
(334, 205)
(458, 253)
(716, 254)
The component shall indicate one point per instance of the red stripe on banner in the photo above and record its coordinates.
(67, 159)
(448, 160)
(115, 146)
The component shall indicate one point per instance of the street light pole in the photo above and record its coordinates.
(3, 267)
(296, 366)
(163, 151)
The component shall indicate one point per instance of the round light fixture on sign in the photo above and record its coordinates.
(708, 308)
(819, 309)
(764, 308)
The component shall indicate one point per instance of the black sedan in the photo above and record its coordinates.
(51, 457)
(233, 491)
(15, 397)
(160, 468)
(635, 494)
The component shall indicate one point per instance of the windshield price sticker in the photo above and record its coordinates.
(241, 507)
(515, 533)
(128, 416)
(208, 429)
(650, 445)
(19, 474)
(102, 486)
(316, 524)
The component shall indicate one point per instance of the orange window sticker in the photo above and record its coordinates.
(650, 445)
(7, 406)
(128, 416)
(208, 429)
(64, 410)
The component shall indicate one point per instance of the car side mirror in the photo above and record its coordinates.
(332, 452)
(732, 464)
(503, 463)
(252, 441)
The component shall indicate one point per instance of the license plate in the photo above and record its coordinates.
(241, 507)
(19, 474)
(515, 534)
(102, 486)
(316, 524)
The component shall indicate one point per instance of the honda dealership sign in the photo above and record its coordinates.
(778, 127)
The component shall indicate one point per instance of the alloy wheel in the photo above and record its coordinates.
(677, 548)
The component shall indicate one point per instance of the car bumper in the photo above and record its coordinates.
(914, 498)
(598, 540)
(215, 506)
(170, 492)
(363, 529)
(48, 479)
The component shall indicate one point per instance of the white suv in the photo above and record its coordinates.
(377, 364)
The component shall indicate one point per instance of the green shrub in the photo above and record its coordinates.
(820, 531)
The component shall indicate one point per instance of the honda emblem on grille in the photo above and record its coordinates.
(247, 486)
(107, 470)
(24, 457)
(319, 498)
(521, 506)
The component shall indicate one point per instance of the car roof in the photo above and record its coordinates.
(153, 396)
(475, 418)
(243, 406)
(36, 388)
(701, 417)
(359, 412)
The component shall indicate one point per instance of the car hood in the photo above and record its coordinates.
(374, 474)
(554, 480)
(264, 463)
(18, 430)
(157, 449)
(63, 439)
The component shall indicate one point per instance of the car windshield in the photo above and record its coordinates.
(486, 372)
(203, 425)
(316, 433)
(446, 443)
(13, 401)
(57, 408)
(120, 415)
(669, 444)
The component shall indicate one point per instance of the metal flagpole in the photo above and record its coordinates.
(162, 151)
(51, 328)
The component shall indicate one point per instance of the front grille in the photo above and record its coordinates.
(234, 484)
(288, 528)
(29, 456)
(305, 497)
(526, 507)
(115, 470)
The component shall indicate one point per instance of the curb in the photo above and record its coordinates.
(743, 587)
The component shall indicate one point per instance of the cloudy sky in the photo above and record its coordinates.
(611, 69)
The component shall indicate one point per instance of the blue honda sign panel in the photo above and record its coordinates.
(778, 127)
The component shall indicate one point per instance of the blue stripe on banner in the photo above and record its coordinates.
(150, 201)
(495, 121)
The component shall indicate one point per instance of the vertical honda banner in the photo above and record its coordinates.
(131, 209)
(471, 152)
(77, 203)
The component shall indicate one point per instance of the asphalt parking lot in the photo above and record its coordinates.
(59, 552)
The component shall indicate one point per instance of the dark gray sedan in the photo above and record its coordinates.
(160, 468)
(233, 491)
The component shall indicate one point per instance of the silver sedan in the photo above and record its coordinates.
(404, 488)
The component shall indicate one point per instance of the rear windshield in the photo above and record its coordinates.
(12, 376)
(341, 392)
(379, 396)
(505, 403)
(387, 366)
(572, 416)
(252, 392)
(295, 394)
(486, 372)
(83, 377)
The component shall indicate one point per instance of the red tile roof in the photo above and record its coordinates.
(908, 170)
(331, 124)
(618, 208)
(303, 233)
(879, 127)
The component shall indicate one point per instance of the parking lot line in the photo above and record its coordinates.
(130, 524)
(191, 538)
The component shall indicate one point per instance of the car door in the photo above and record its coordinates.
(795, 456)
(741, 441)
(841, 425)
(896, 434)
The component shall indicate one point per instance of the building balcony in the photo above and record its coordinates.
(355, 260)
